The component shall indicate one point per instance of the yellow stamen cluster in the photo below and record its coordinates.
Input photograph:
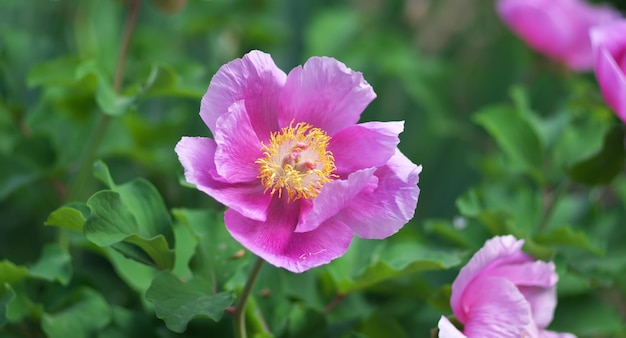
(296, 160)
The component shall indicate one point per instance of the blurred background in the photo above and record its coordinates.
(432, 63)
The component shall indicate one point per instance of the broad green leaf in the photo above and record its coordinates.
(71, 216)
(128, 323)
(111, 102)
(137, 275)
(133, 213)
(54, 72)
(178, 302)
(515, 136)
(566, 236)
(53, 265)
(389, 260)
(603, 166)
(11, 273)
(111, 222)
(101, 172)
(86, 313)
(218, 256)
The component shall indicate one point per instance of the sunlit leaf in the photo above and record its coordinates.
(385, 262)
(53, 72)
(71, 216)
(178, 302)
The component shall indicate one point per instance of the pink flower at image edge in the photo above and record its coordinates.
(503, 292)
(609, 47)
(557, 28)
(299, 176)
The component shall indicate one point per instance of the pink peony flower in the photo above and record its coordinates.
(503, 292)
(609, 47)
(557, 28)
(298, 175)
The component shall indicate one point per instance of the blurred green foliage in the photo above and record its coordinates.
(510, 143)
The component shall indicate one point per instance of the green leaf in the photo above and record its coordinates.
(217, 256)
(53, 265)
(6, 297)
(385, 261)
(133, 213)
(11, 273)
(515, 136)
(72, 216)
(54, 72)
(178, 302)
(603, 166)
(111, 221)
(101, 172)
(566, 236)
(85, 314)
(306, 322)
(382, 325)
(111, 102)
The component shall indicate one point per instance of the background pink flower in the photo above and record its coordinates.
(298, 175)
(557, 28)
(609, 47)
(503, 292)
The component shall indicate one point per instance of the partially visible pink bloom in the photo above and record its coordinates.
(503, 292)
(557, 28)
(299, 176)
(609, 47)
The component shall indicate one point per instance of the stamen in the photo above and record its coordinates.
(296, 160)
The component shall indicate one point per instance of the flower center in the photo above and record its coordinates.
(296, 160)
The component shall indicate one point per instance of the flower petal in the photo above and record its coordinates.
(448, 330)
(536, 280)
(196, 154)
(382, 211)
(365, 145)
(504, 249)
(333, 197)
(552, 334)
(275, 241)
(324, 93)
(237, 146)
(254, 79)
(494, 308)
(609, 44)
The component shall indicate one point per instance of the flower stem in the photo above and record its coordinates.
(240, 309)
(92, 146)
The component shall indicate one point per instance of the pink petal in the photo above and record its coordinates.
(333, 197)
(237, 146)
(500, 249)
(557, 28)
(609, 44)
(448, 330)
(494, 308)
(539, 23)
(254, 79)
(382, 211)
(196, 154)
(276, 242)
(536, 280)
(552, 334)
(324, 93)
(365, 145)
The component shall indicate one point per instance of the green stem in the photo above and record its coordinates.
(240, 309)
(551, 198)
(92, 146)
